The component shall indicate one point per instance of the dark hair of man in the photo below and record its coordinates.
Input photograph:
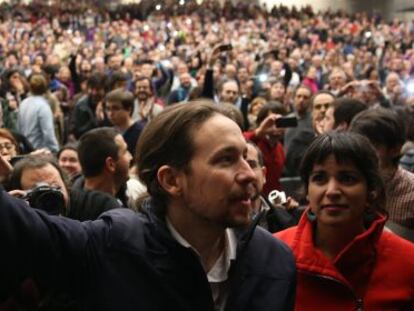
(50, 70)
(117, 78)
(144, 78)
(381, 126)
(144, 62)
(406, 116)
(14, 53)
(302, 86)
(5, 83)
(276, 80)
(33, 162)
(260, 159)
(68, 146)
(312, 99)
(96, 81)
(346, 109)
(38, 84)
(351, 148)
(95, 146)
(168, 140)
(270, 107)
(123, 97)
(224, 81)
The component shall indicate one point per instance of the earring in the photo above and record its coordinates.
(311, 216)
(369, 214)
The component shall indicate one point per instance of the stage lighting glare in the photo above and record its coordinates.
(263, 77)
(409, 86)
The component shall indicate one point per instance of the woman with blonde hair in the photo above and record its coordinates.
(254, 108)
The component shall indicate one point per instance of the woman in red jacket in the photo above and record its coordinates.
(344, 257)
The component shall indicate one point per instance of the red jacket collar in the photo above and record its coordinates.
(357, 257)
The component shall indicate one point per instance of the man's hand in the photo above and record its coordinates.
(267, 125)
(290, 204)
(319, 124)
(349, 87)
(99, 111)
(41, 152)
(20, 194)
(215, 53)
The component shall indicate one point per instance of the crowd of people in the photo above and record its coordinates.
(142, 112)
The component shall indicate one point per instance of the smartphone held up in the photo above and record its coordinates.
(286, 122)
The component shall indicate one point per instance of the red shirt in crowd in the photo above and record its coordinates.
(274, 161)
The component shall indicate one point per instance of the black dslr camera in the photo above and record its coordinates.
(47, 198)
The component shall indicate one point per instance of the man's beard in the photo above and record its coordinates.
(143, 96)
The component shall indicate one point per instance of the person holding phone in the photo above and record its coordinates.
(267, 136)
(228, 89)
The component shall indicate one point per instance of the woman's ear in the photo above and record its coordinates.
(168, 178)
(372, 195)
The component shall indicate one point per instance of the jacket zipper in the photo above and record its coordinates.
(359, 302)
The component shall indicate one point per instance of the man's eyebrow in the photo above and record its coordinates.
(228, 149)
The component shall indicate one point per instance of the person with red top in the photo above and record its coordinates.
(267, 137)
(344, 258)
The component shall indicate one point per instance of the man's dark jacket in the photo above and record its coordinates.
(129, 261)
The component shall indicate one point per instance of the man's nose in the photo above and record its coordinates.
(246, 173)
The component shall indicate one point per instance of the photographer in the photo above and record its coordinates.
(274, 216)
(40, 178)
(43, 184)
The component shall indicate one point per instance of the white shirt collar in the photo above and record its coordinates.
(219, 271)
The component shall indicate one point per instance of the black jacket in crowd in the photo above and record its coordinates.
(129, 261)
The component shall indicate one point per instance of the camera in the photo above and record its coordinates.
(47, 198)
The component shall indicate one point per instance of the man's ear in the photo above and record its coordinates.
(169, 180)
(110, 164)
(264, 170)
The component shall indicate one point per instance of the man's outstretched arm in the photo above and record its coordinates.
(36, 245)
